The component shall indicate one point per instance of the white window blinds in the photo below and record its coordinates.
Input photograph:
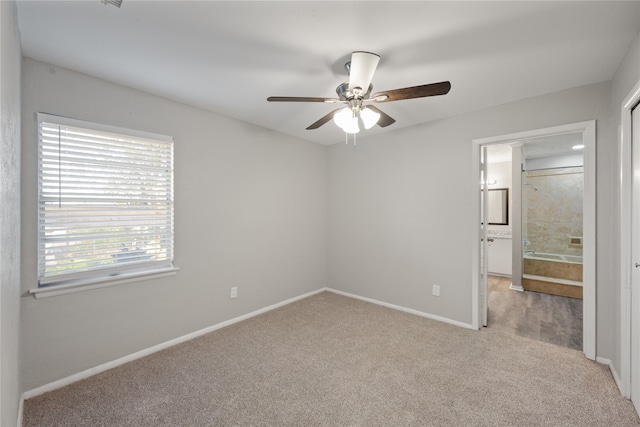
(105, 201)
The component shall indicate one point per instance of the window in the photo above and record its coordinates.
(105, 202)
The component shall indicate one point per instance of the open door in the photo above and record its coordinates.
(484, 246)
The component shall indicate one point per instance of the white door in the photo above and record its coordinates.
(484, 247)
(635, 256)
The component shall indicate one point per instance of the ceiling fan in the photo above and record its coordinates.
(356, 94)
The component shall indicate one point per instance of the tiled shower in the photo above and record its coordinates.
(552, 230)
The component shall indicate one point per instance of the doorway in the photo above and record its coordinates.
(551, 220)
(480, 235)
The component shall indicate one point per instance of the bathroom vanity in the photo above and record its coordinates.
(499, 251)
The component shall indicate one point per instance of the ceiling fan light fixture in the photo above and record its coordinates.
(369, 117)
(347, 120)
(342, 117)
(357, 91)
(352, 126)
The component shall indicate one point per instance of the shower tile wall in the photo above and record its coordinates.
(554, 212)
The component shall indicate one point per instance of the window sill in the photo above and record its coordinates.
(55, 290)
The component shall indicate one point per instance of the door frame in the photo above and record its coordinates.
(626, 179)
(588, 129)
(484, 235)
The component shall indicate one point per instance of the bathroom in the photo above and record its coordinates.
(549, 210)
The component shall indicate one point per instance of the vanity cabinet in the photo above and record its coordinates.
(500, 256)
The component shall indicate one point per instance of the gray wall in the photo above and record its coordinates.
(400, 215)
(627, 75)
(10, 64)
(250, 211)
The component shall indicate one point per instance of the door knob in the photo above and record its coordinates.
(637, 265)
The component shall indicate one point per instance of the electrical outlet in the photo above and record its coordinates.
(436, 291)
(234, 292)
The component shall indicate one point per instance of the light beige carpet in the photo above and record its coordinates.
(330, 360)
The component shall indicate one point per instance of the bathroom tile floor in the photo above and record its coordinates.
(549, 318)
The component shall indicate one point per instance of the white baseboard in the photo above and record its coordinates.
(490, 273)
(614, 373)
(154, 349)
(20, 411)
(405, 309)
(518, 288)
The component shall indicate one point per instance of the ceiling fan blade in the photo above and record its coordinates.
(300, 99)
(385, 119)
(422, 91)
(323, 120)
(363, 65)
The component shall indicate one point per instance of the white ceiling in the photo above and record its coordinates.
(228, 57)
(554, 145)
(547, 146)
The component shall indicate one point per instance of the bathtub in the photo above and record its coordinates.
(555, 274)
(572, 259)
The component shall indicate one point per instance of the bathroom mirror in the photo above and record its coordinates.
(498, 204)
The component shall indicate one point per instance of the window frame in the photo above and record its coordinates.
(101, 276)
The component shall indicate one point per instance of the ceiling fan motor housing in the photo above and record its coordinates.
(346, 95)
